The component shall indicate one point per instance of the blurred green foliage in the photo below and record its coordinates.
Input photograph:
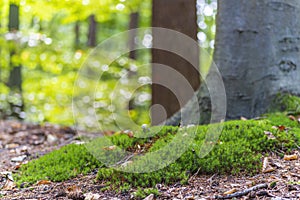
(45, 47)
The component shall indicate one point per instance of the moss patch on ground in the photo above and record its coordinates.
(58, 165)
(286, 103)
(238, 150)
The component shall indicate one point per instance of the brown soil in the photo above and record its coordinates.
(21, 142)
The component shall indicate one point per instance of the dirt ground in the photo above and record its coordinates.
(21, 142)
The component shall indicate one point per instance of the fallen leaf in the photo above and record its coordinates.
(269, 135)
(266, 166)
(244, 119)
(233, 190)
(74, 192)
(8, 175)
(19, 158)
(189, 197)
(16, 125)
(150, 197)
(9, 185)
(290, 157)
(110, 148)
(293, 118)
(12, 146)
(250, 183)
(265, 162)
(91, 196)
(108, 133)
(51, 139)
(129, 133)
(268, 170)
(281, 128)
(43, 182)
(73, 188)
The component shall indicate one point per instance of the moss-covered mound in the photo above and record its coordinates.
(58, 165)
(239, 149)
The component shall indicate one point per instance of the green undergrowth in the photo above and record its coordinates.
(58, 165)
(238, 150)
(286, 103)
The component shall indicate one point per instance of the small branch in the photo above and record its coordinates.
(211, 178)
(124, 160)
(244, 192)
(191, 178)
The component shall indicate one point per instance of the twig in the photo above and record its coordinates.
(244, 192)
(297, 175)
(264, 193)
(194, 174)
(124, 160)
(211, 178)
(279, 189)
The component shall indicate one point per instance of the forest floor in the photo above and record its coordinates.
(21, 142)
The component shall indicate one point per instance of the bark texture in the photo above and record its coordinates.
(257, 53)
(178, 15)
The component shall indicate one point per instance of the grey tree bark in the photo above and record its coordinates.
(257, 52)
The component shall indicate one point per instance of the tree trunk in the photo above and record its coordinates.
(15, 76)
(14, 21)
(92, 34)
(133, 24)
(178, 15)
(77, 34)
(257, 52)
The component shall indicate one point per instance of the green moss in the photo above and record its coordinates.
(239, 149)
(58, 165)
(285, 103)
(141, 193)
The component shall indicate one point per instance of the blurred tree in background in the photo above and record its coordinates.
(53, 38)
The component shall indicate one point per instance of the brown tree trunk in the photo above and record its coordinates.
(133, 24)
(178, 15)
(77, 34)
(15, 76)
(92, 35)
